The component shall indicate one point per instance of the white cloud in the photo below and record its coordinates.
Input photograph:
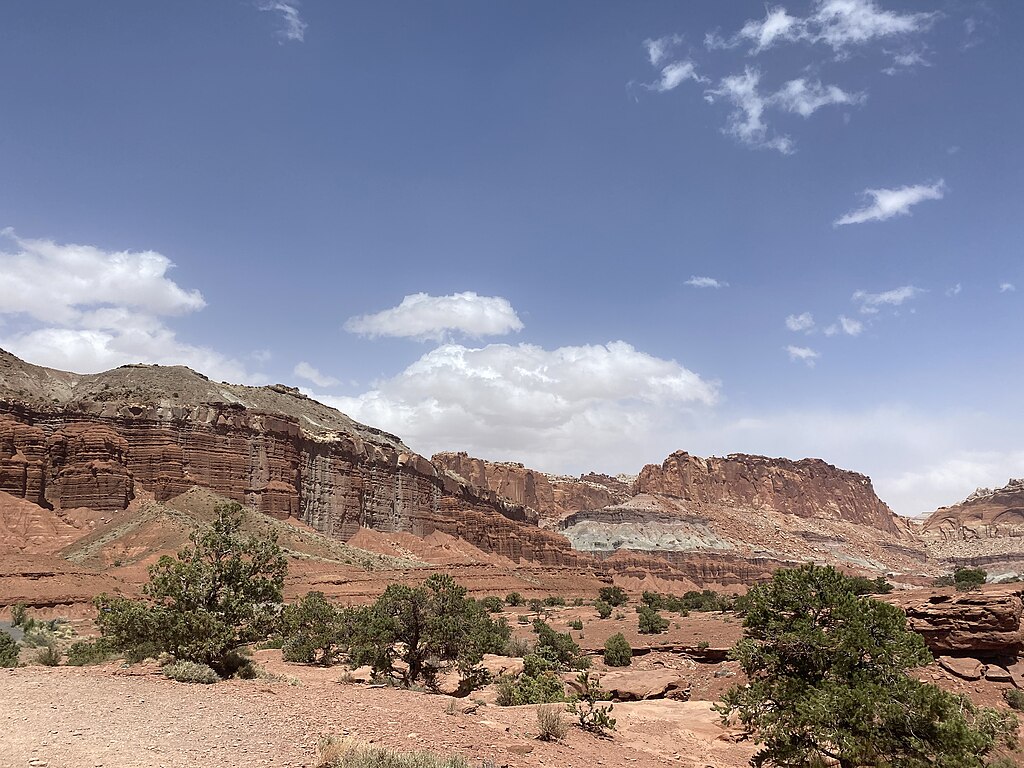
(306, 371)
(906, 60)
(294, 28)
(425, 317)
(886, 203)
(805, 98)
(802, 322)
(1007, 287)
(84, 309)
(698, 281)
(871, 302)
(850, 326)
(675, 74)
(570, 405)
(954, 290)
(658, 50)
(805, 354)
(838, 24)
(747, 121)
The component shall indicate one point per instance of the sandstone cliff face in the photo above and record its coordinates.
(806, 488)
(985, 530)
(553, 497)
(90, 440)
(982, 623)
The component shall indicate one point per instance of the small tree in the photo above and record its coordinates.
(8, 651)
(220, 593)
(829, 683)
(514, 599)
(604, 610)
(312, 630)
(590, 715)
(614, 596)
(617, 651)
(651, 622)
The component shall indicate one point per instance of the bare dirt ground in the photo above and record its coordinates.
(114, 717)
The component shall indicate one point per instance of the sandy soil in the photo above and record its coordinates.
(114, 717)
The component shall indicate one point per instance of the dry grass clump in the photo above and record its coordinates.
(333, 752)
(190, 672)
(550, 725)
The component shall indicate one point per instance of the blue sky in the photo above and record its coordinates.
(579, 235)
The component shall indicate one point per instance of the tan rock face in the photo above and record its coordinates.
(986, 622)
(806, 488)
(87, 467)
(22, 460)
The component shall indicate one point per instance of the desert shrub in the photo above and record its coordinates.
(614, 596)
(703, 645)
(604, 610)
(577, 601)
(550, 725)
(493, 604)
(522, 619)
(346, 753)
(215, 596)
(652, 622)
(704, 601)
(190, 672)
(829, 683)
(18, 614)
(516, 647)
(514, 599)
(8, 651)
(49, 656)
(84, 652)
(536, 605)
(554, 600)
(312, 631)
(557, 647)
(617, 651)
(862, 585)
(964, 579)
(576, 624)
(538, 684)
(1014, 699)
(425, 627)
(590, 715)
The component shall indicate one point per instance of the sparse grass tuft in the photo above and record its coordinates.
(1014, 699)
(49, 656)
(190, 672)
(332, 752)
(550, 724)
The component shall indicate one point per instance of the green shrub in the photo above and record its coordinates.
(554, 600)
(705, 601)
(617, 651)
(493, 604)
(18, 614)
(577, 601)
(312, 631)
(8, 651)
(576, 624)
(829, 683)
(190, 672)
(538, 684)
(604, 610)
(865, 586)
(651, 622)
(614, 596)
(550, 725)
(86, 652)
(1014, 698)
(557, 647)
(514, 599)
(523, 619)
(516, 647)
(589, 714)
(218, 594)
(536, 605)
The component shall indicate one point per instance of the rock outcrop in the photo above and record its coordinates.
(985, 623)
(553, 497)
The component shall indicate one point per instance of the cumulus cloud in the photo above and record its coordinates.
(802, 322)
(85, 309)
(886, 203)
(293, 28)
(847, 325)
(658, 50)
(838, 24)
(870, 303)
(555, 407)
(304, 370)
(1007, 287)
(424, 317)
(747, 121)
(804, 354)
(699, 281)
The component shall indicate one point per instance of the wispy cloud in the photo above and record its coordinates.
(886, 203)
(658, 50)
(847, 325)
(1007, 287)
(304, 370)
(838, 24)
(424, 317)
(675, 74)
(804, 322)
(698, 281)
(803, 354)
(954, 290)
(904, 61)
(870, 303)
(293, 28)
